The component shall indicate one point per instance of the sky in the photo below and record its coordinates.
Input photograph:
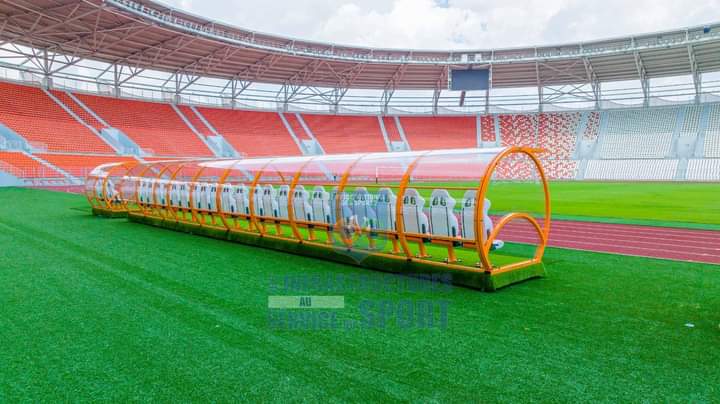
(455, 24)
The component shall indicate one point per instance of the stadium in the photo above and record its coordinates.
(195, 211)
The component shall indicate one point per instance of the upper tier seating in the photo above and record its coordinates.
(557, 133)
(592, 128)
(33, 115)
(440, 132)
(251, 132)
(77, 109)
(518, 129)
(80, 165)
(692, 121)
(392, 130)
(153, 126)
(346, 134)
(195, 120)
(638, 133)
(712, 132)
(296, 126)
(23, 166)
(487, 123)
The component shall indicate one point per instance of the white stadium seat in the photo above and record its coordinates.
(414, 219)
(240, 196)
(363, 212)
(282, 201)
(269, 201)
(184, 194)
(257, 209)
(385, 209)
(227, 203)
(442, 214)
(320, 202)
(301, 205)
(211, 197)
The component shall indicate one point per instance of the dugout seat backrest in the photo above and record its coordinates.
(211, 197)
(174, 194)
(240, 196)
(362, 208)
(282, 201)
(320, 202)
(467, 215)
(301, 205)
(160, 195)
(442, 214)
(344, 205)
(144, 192)
(184, 194)
(227, 203)
(257, 201)
(196, 196)
(385, 209)
(414, 218)
(269, 201)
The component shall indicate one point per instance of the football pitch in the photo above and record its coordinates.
(100, 309)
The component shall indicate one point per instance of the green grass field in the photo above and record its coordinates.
(99, 309)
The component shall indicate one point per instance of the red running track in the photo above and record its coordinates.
(645, 241)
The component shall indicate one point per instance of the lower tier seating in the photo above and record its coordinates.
(703, 170)
(22, 166)
(80, 165)
(632, 170)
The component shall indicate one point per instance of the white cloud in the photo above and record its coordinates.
(456, 24)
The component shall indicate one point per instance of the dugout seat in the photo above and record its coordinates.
(211, 197)
(301, 206)
(174, 194)
(269, 201)
(362, 209)
(414, 219)
(184, 194)
(240, 196)
(227, 203)
(320, 202)
(385, 209)
(442, 214)
(467, 215)
(282, 201)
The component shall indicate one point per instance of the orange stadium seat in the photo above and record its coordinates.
(346, 134)
(392, 129)
(155, 127)
(251, 132)
(440, 132)
(23, 166)
(33, 115)
(195, 120)
(79, 165)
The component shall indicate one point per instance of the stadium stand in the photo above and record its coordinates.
(632, 170)
(703, 170)
(557, 133)
(43, 123)
(80, 165)
(487, 124)
(297, 127)
(23, 166)
(441, 132)
(155, 127)
(638, 133)
(251, 132)
(518, 129)
(592, 129)
(195, 120)
(712, 132)
(392, 129)
(346, 134)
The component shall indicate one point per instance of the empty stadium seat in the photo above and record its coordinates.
(22, 166)
(442, 215)
(153, 126)
(346, 134)
(301, 205)
(414, 218)
(385, 209)
(270, 202)
(440, 132)
(363, 211)
(320, 202)
(33, 115)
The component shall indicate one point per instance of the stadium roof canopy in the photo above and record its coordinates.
(141, 34)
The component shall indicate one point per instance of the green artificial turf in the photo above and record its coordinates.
(104, 309)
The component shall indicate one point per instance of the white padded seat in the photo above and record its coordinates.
(362, 209)
(467, 215)
(211, 197)
(269, 201)
(240, 196)
(227, 203)
(385, 209)
(442, 214)
(257, 201)
(414, 219)
(282, 201)
(320, 201)
(301, 205)
(184, 194)
(174, 194)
